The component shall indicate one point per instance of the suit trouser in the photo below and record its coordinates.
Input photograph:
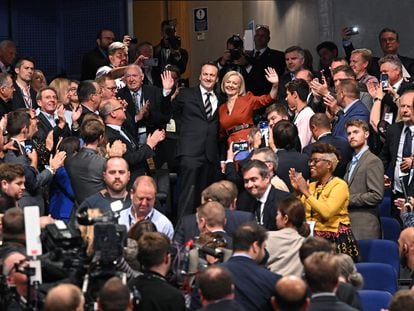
(198, 172)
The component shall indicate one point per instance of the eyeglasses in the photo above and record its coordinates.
(316, 161)
(72, 89)
(112, 89)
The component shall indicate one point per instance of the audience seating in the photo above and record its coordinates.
(391, 229)
(380, 251)
(374, 300)
(378, 276)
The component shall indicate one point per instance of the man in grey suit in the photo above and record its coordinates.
(365, 177)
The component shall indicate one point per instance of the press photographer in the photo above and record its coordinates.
(169, 50)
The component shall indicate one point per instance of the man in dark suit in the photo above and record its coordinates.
(321, 274)
(197, 148)
(390, 43)
(294, 59)
(366, 183)
(287, 143)
(291, 293)
(260, 58)
(112, 112)
(396, 154)
(145, 105)
(24, 96)
(264, 197)
(347, 97)
(7, 56)
(98, 57)
(47, 119)
(216, 288)
(321, 131)
(223, 192)
(254, 285)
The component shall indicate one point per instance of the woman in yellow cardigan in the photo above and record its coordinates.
(326, 200)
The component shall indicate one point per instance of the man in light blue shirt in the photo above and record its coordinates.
(143, 199)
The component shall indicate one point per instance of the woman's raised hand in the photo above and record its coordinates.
(271, 75)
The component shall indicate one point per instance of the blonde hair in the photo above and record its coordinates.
(229, 74)
(61, 85)
(348, 270)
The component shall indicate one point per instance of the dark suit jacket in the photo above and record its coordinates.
(328, 303)
(156, 118)
(254, 284)
(188, 228)
(341, 145)
(199, 134)
(91, 61)
(291, 159)
(256, 79)
(249, 203)
(357, 111)
(221, 305)
(44, 127)
(18, 100)
(134, 155)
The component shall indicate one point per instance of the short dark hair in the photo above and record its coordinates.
(329, 45)
(91, 130)
(152, 249)
(261, 166)
(246, 234)
(325, 148)
(100, 31)
(285, 135)
(321, 272)
(386, 29)
(346, 69)
(403, 300)
(320, 120)
(40, 92)
(279, 108)
(20, 61)
(314, 244)
(70, 145)
(11, 171)
(16, 121)
(215, 282)
(13, 221)
(299, 86)
(86, 88)
(296, 48)
(114, 295)
(141, 227)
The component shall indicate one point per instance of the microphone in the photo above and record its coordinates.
(186, 257)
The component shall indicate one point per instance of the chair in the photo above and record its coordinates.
(374, 300)
(385, 207)
(378, 276)
(390, 228)
(381, 251)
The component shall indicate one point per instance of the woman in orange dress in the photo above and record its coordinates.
(236, 115)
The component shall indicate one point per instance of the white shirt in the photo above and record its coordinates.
(213, 98)
(263, 200)
(302, 123)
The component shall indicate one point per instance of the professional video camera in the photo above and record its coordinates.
(174, 41)
(235, 48)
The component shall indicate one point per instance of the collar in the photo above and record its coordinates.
(48, 115)
(147, 217)
(411, 127)
(261, 51)
(115, 127)
(349, 106)
(139, 91)
(360, 153)
(324, 134)
(397, 84)
(242, 255)
(263, 198)
(23, 87)
(203, 91)
(324, 294)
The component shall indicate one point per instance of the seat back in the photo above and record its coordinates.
(382, 251)
(391, 229)
(374, 300)
(378, 276)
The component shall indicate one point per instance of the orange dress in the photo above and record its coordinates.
(242, 114)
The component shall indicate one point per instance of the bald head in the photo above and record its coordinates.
(406, 247)
(290, 294)
(64, 297)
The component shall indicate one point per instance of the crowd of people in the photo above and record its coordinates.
(267, 168)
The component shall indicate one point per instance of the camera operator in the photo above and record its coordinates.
(169, 51)
(154, 254)
(234, 58)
